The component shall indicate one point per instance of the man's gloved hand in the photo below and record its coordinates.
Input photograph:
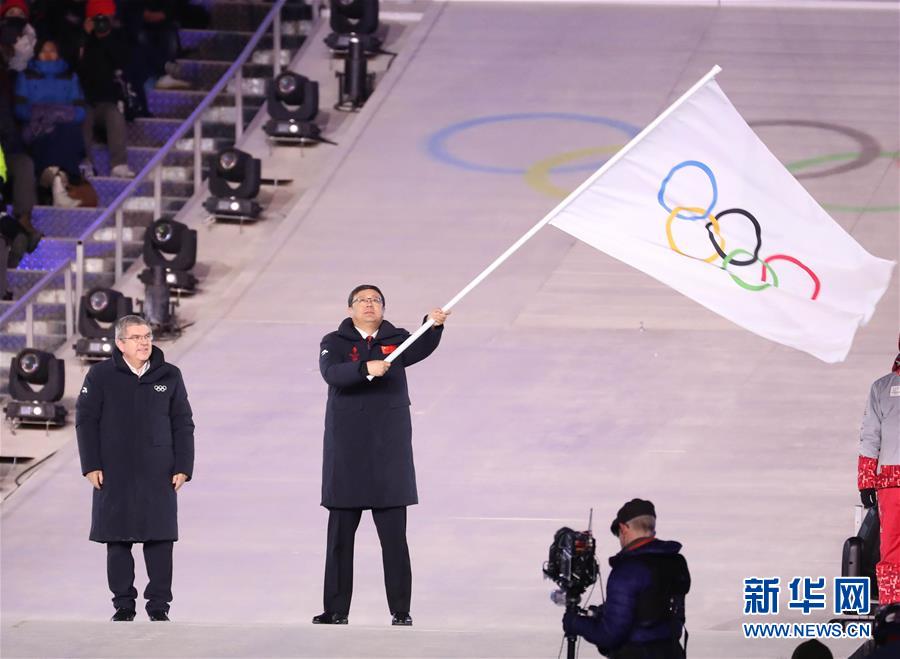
(868, 497)
(568, 623)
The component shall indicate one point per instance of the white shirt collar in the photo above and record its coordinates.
(137, 372)
(364, 334)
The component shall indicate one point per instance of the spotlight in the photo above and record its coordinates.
(229, 166)
(353, 17)
(99, 305)
(164, 237)
(355, 83)
(157, 307)
(36, 406)
(292, 101)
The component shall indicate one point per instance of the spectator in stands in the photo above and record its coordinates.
(101, 70)
(5, 295)
(50, 105)
(20, 184)
(16, 33)
(61, 21)
(153, 21)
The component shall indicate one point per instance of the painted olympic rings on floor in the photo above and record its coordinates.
(869, 149)
(661, 195)
(853, 157)
(437, 143)
(538, 175)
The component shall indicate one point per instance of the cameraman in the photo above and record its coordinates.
(103, 61)
(643, 616)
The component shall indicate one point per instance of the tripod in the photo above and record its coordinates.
(572, 602)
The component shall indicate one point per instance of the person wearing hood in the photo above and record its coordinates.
(878, 475)
(135, 434)
(16, 33)
(367, 458)
(50, 105)
(643, 616)
(104, 60)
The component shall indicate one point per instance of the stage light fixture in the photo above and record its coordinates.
(355, 83)
(235, 202)
(353, 17)
(36, 406)
(168, 237)
(157, 306)
(97, 315)
(292, 101)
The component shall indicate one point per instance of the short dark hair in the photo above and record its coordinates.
(363, 287)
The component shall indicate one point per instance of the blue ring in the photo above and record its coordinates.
(712, 179)
(437, 142)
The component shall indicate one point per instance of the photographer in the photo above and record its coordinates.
(103, 61)
(643, 616)
(16, 34)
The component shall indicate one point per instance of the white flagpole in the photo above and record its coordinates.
(553, 213)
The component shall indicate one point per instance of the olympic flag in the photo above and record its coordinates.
(698, 202)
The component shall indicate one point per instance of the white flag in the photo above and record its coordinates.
(702, 205)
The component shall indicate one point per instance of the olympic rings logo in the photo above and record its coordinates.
(713, 229)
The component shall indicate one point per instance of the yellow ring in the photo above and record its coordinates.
(692, 209)
(538, 175)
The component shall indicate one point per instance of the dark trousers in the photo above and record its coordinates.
(391, 526)
(120, 573)
(108, 117)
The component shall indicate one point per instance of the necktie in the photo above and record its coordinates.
(369, 340)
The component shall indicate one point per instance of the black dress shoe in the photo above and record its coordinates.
(402, 620)
(329, 618)
(158, 616)
(123, 615)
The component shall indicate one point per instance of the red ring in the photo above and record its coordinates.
(785, 257)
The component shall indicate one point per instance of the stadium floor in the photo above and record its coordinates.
(566, 381)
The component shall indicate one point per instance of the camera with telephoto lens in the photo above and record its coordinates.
(572, 565)
(102, 25)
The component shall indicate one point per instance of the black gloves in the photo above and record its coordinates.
(868, 497)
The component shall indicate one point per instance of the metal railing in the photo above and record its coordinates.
(116, 209)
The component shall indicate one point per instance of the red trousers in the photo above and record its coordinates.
(888, 569)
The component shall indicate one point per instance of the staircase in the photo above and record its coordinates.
(208, 55)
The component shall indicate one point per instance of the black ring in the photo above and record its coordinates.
(869, 148)
(756, 227)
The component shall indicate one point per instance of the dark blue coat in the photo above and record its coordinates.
(140, 433)
(636, 572)
(367, 459)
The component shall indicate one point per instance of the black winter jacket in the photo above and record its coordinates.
(140, 433)
(367, 457)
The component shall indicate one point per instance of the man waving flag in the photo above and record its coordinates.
(697, 201)
(702, 205)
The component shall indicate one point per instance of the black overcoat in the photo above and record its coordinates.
(139, 432)
(367, 459)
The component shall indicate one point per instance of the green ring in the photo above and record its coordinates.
(831, 157)
(739, 281)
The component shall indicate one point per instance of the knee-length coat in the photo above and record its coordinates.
(367, 458)
(140, 433)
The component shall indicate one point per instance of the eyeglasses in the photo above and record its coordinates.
(377, 301)
(139, 339)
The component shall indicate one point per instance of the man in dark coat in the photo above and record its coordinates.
(643, 616)
(367, 458)
(136, 441)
